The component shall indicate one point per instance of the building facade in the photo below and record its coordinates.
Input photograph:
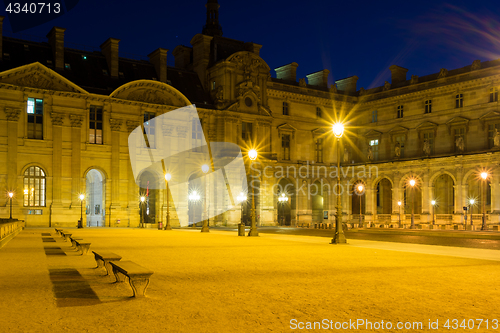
(66, 116)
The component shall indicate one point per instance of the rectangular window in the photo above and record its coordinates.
(374, 145)
(458, 132)
(374, 116)
(318, 112)
(149, 129)
(493, 95)
(429, 137)
(285, 146)
(319, 151)
(95, 125)
(459, 101)
(35, 118)
(285, 109)
(428, 106)
(491, 133)
(401, 139)
(197, 134)
(400, 111)
(246, 131)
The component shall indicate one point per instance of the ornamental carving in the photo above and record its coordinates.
(362, 91)
(302, 82)
(476, 64)
(248, 63)
(132, 125)
(443, 73)
(12, 114)
(333, 88)
(76, 120)
(35, 80)
(387, 86)
(115, 124)
(57, 118)
(149, 96)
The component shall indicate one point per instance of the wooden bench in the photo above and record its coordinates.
(138, 276)
(103, 259)
(83, 246)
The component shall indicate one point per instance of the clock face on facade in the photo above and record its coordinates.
(248, 101)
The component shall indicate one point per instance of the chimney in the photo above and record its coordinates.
(201, 56)
(287, 72)
(348, 84)
(56, 41)
(398, 74)
(182, 55)
(253, 47)
(159, 59)
(1, 37)
(318, 78)
(110, 50)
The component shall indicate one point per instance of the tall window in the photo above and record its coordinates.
(95, 125)
(374, 145)
(246, 131)
(196, 134)
(428, 106)
(149, 129)
(285, 109)
(459, 101)
(35, 118)
(491, 133)
(493, 95)
(318, 112)
(285, 146)
(374, 116)
(400, 111)
(401, 139)
(319, 150)
(34, 187)
(429, 136)
(458, 132)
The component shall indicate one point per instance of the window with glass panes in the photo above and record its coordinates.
(401, 139)
(491, 133)
(34, 187)
(429, 136)
(428, 106)
(95, 125)
(285, 146)
(285, 108)
(196, 134)
(318, 112)
(374, 145)
(457, 133)
(319, 150)
(400, 111)
(246, 131)
(149, 129)
(459, 100)
(374, 116)
(493, 95)
(35, 118)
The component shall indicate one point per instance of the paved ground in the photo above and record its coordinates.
(218, 282)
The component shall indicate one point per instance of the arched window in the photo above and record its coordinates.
(34, 187)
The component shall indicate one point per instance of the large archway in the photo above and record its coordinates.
(95, 185)
(148, 187)
(444, 195)
(384, 197)
(286, 210)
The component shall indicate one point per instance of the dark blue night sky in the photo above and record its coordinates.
(360, 38)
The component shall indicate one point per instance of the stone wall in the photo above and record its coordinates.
(9, 230)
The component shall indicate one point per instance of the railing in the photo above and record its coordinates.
(444, 217)
(383, 217)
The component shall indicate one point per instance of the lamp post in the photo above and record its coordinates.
(81, 196)
(433, 203)
(484, 176)
(204, 228)
(11, 194)
(252, 154)
(339, 238)
(360, 188)
(143, 200)
(412, 184)
(282, 200)
(194, 197)
(471, 203)
(399, 204)
(168, 176)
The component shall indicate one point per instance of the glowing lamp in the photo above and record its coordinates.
(168, 176)
(338, 129)
(484, 175)
(433, 202)
(81, 196)
(412, 182)
(252, 154)
(204, 168)
(11, 194)
(143, 198)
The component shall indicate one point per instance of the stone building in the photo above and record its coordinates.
(66, 115)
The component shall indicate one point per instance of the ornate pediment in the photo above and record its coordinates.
(398, 130)
(492, 116)
(427, 125)
(38, 76)
(248, 62)
(458, 122)
(373, 134)
(286, 129)
(321, 131)
(151, 92)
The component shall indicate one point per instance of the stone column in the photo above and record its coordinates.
(370, 204)
(57, 122)
(76, 152)
(115, 125)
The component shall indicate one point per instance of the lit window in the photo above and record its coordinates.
(95, 125)
(459, 100)
(400, 111)
(428, 106)
(213, 85)
(34, 187)
(285, 109)
(493, 95)
(35, 118)
(374, 145)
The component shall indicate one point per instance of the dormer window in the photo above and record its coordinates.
(428, 106)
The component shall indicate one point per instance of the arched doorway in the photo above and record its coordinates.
(196, 197)
(148, 187)
(317, 198)
(95, 185)
(286, 210)
(384, 197)
(444, 195)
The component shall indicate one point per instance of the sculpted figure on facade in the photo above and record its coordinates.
(369, 155)
(427, 148)
(387, 85)
(414, 79)
(460, 144)
(476, 64)
(333, 88)
(302, 82)
(362, 91)
(443, 73)
(496, 139)
(397, 149)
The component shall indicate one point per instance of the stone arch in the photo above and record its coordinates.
(439, 173)
(153, 92)
(37, 164)
(443, 192)
(95, 197)
(412, 197)
(358, 199)
(379, 178)
(286, 211)
(382, 191)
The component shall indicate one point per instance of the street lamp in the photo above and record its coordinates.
(484, 176)
(252, 154)
(168, 176)
(204, 228)
(433, 203)
(359, 191)
(11, 194)
(143, 200)
(399, 204)
(282, 199)
(81, 196)
(471, 203)
(339, 238)
(412, 184)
